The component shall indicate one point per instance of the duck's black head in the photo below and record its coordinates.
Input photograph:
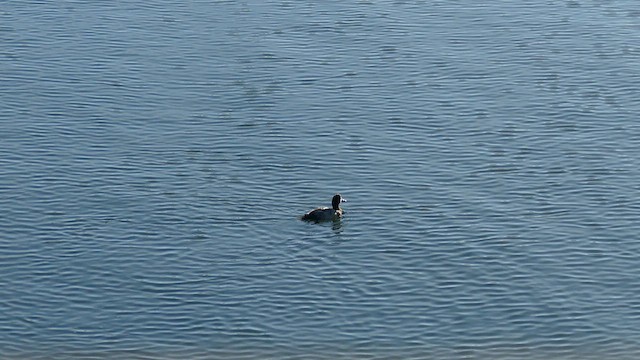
(335, 202)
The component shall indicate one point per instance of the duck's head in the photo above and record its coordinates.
(335, 202)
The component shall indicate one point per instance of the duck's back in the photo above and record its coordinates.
(321, 214)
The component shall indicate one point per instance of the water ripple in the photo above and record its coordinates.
(158, 155)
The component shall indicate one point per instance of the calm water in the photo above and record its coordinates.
(155, 156)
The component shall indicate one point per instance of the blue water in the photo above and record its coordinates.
(155, 157)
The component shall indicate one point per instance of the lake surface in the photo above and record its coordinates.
(155, 157)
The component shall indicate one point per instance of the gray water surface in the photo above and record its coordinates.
(155, 157)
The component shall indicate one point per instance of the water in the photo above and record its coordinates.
(155, 157)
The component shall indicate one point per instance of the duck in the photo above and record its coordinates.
(324, 213)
